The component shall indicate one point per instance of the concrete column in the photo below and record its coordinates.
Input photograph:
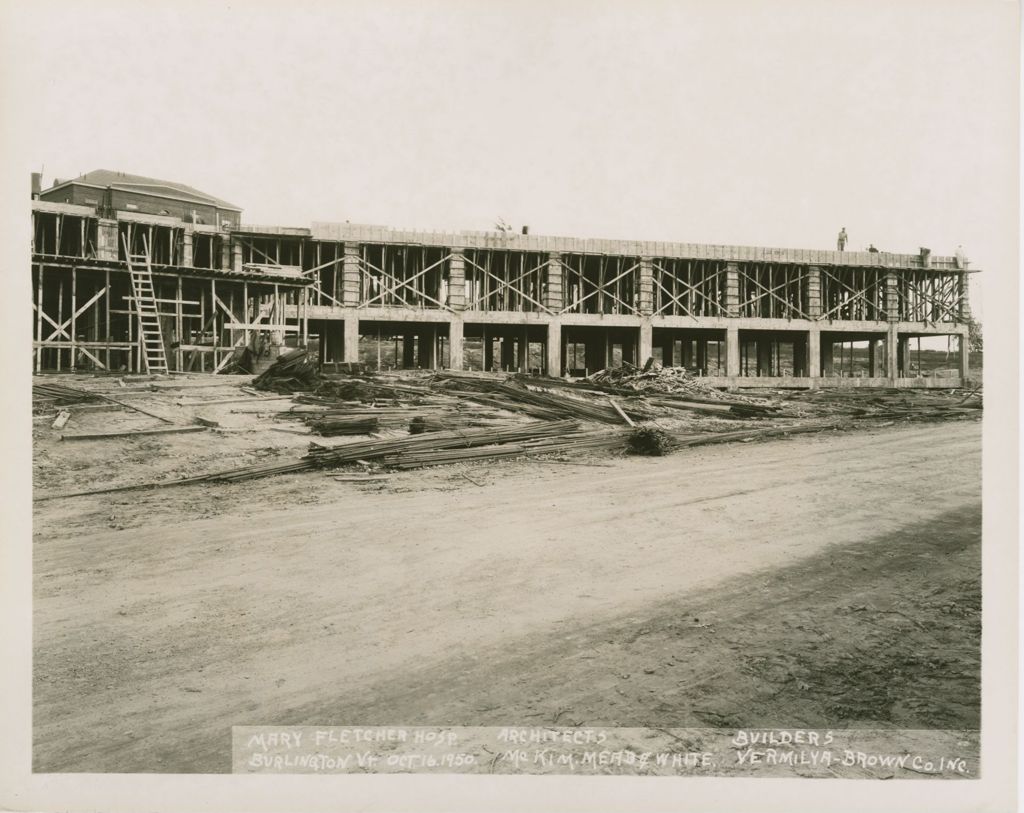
(764, 357)
(732, 351)
(813, 303)
(106, 239)
(350, 288)
(553, 350)
(457, 286)
(872, 349)
(892, 367)
(965, 356)
(455, 344)
(408, 350)
(553, 293)
(646, 345)
(813, 369)
(186, 248)
(892, 301)
(225, 251)
(236, 258)
(524, 350)
(702, 354)
(351, 338)
(732, 295)
(646, 303)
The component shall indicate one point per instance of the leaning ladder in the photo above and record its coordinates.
(141, 271)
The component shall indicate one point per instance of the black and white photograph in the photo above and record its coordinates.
(511, 405)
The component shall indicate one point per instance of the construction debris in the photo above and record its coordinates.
(443, 418)
(56, 394)
(649, 440)
(330, 426)
(134, 433)
(293, 371)
(654, 378)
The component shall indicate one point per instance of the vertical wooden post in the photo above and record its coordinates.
(106, 298)
(305, 315)
(39, 322)
(213, 321)
(178, 330)
(245, 307)
(60, 317)
(202, 330)
(74, 320)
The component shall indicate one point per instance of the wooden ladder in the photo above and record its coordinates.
(141, 271)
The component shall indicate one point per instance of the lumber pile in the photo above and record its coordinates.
(451, 439)
(331, 425)
(517, 397)
(293, 371)
(903, 405)
(575, 441)
(58, 395)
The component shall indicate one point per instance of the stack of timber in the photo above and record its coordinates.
(592, 440)
(49, 394)
(293, 371)
(451, 439)
(903, 405)
(517, 397)
(330, 426)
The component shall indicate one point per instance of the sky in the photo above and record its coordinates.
(769, 123)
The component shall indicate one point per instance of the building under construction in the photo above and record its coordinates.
(136, 274)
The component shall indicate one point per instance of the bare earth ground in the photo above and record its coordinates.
(821, 581)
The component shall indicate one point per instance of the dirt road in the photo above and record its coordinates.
(412, 603)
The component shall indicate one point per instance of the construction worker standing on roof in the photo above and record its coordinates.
(841, 242)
